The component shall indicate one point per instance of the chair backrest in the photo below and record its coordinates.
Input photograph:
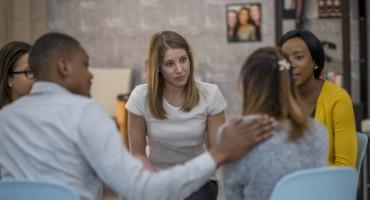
(35, 190)
(318, 184)
(362, 144)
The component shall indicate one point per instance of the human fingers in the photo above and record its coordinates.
(265, 122)
(266, 129)
(257, 129)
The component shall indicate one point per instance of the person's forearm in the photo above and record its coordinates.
(146, 162)
(126, 175)
(177, 182)
(140, 153)
(137, 147)
(219, 157)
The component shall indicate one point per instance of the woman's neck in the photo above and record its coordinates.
(309, 92)
(173, 90)
(174, 95)
(310, 88)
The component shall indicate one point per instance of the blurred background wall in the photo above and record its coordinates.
(116, 33)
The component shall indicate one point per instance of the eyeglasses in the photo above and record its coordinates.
(29, 74)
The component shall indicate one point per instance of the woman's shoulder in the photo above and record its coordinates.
(311, 126)
(143, 86)
(207, 89)
(140, 88)
(316, 131)
(205, 85)
(313, 129)
(315, 126)
(139, 91)
(332, 90)
(331, 94)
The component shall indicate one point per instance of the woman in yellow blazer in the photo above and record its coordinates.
(326, 102)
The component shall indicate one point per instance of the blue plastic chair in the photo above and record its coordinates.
(34, 190)
(362, 144)
(317, 184)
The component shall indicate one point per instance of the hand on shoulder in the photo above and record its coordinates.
(240, 135)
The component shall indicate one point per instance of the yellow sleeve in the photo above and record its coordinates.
(345, 138)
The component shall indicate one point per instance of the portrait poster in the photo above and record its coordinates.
(243, 22)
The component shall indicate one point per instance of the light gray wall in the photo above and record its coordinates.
(3, 21)
(326, 29)
(22, 20)
(116, 33)
(331, 30)
(355, 53)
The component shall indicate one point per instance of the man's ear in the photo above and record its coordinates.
(64, 68)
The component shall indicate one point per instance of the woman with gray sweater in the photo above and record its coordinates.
(298, 143)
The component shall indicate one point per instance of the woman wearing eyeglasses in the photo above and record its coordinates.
(16, 78)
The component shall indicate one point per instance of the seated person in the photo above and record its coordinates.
(16, 75)
(328, 103)
(177, 114)
(298, 142)
(58, 134)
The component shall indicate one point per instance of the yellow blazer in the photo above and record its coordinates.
(334, 110)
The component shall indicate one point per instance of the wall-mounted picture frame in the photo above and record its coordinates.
(329, 8)
(243, 22)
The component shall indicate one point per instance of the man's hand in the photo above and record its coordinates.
(239, 137)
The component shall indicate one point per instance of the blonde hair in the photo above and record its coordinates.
(270, 89)
(158, 46)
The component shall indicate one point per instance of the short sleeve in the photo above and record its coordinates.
(137, 99)
(216, 101)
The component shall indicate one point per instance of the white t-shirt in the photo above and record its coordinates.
(182, 135)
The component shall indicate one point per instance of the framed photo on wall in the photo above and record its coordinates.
(243, 22)
(329, 8)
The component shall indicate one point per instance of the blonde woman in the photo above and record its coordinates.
(177, 114)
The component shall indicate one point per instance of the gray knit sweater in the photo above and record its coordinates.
(254, 176)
